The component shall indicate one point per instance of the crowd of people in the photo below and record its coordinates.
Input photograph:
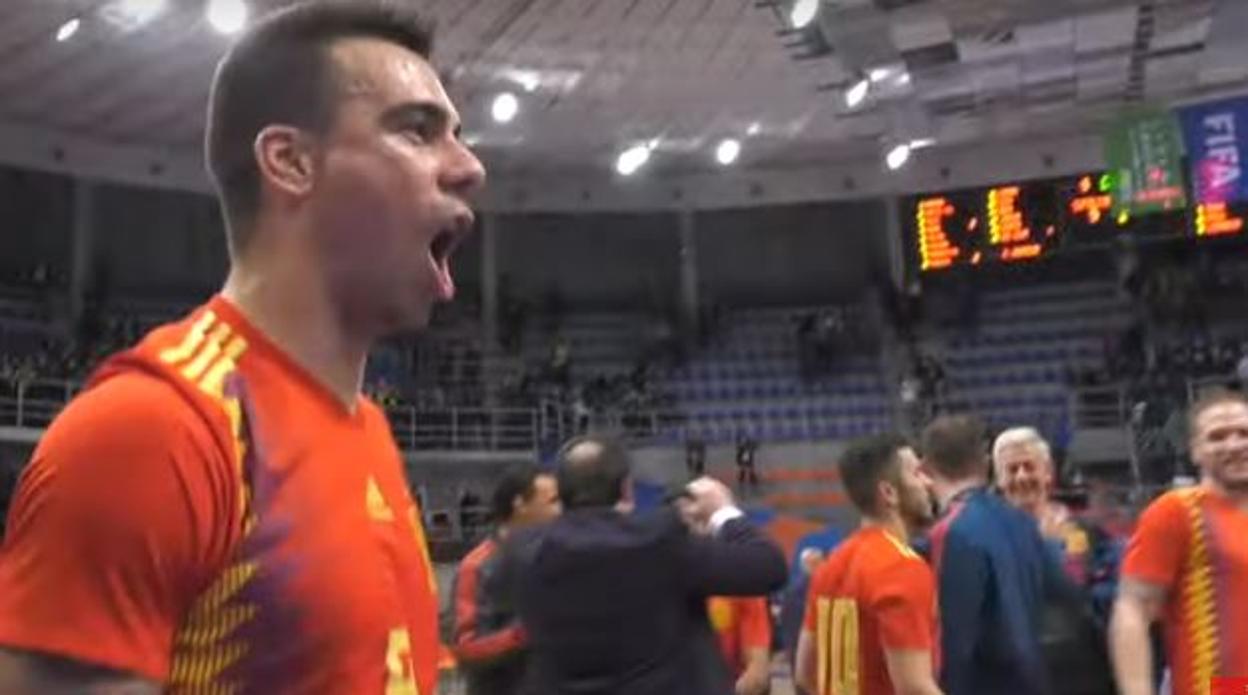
(966, 576)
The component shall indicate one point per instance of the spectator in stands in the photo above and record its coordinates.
(615, 602)
(1186, 565)
(747, 469)
(695, 458)
(993, 567)
(489, 642)
(871, 622)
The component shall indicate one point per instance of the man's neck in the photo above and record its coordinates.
(890, 523)
(1237, 498)
(299, 318)
(947, 491)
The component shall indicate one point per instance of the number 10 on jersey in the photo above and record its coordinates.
(836, 639)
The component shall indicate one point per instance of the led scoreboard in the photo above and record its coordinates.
(1024, 222)
(1004, 224)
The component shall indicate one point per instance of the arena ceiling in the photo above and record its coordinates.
(594, 76)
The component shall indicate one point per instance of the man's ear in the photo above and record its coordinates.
(286, 159)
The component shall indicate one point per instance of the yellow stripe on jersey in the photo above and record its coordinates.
(203, 647)
(209, 352)
(1200, 599)
(823, 642)
(191, 341)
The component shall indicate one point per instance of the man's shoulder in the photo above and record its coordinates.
(478, 556)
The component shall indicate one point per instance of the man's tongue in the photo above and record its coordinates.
(446, 283)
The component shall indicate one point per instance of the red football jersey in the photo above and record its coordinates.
(872, 593)
(1194, 544)
(207, 515)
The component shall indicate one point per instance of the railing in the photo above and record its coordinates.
(1100, 406)
(34, 404)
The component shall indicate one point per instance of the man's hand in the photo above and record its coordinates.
(707, 496)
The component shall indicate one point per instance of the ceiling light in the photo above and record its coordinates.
(728, 151)
(754, 129)
(921, 143)
(880, 74)
(505, 107)
(529, 80)
(903, 79)
(227, 16)
(632, 159)
(803, 13)
(137, 12)
(897, 157)
(68, 29)
(857, 93)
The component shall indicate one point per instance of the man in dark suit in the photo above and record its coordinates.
(615, 602)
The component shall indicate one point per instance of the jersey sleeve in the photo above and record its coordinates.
(114, 526)
(755, 623)
(904, 603)
(1156, 550)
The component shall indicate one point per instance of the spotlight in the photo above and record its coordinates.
(921, 143)
(754, 129)
(632, 159)
(857, 93)
(505, 107)
(68, 29)
(728, 151)
(803, 13)
(227, 16)
(880, 74)
(897, 157)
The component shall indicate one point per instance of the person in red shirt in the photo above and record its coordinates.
(489, 642)
(743, 626)
(871, 623)
(1186, 565)
(221, 510)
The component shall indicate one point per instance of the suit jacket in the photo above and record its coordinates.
(616, 604)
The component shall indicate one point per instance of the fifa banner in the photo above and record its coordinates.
(1216, 136)
(1144, 155)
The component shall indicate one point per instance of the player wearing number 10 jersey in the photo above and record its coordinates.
(871, 623)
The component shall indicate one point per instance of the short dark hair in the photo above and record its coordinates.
(517, 481)
(956, 446)
(1209, 399)
(280, 72)
(865, 462)
(592, 471)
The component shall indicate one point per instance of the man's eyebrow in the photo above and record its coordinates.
(435, 114)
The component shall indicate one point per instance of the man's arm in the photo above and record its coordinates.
(738, 560)
(24, 673)
(756, 679)
(1139, 604)
(754, 626)
(473, 645)
(910, 670)
(962, 584)
(126, 503)
(804, 668)
(735, 559)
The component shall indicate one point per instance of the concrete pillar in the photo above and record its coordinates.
(689, 300)
(82, 248)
